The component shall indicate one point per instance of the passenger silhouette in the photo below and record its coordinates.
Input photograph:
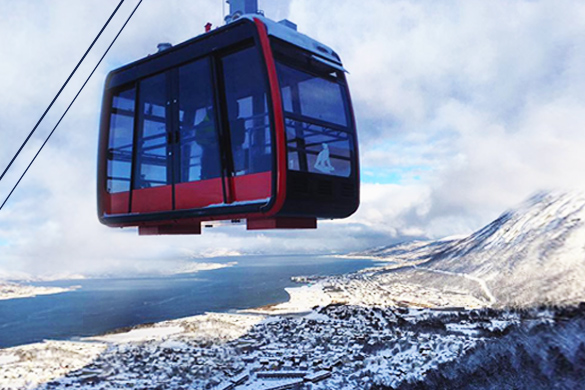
(206, 138)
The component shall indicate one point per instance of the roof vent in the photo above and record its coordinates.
(241, 7)
(163, 46)
(288, 23)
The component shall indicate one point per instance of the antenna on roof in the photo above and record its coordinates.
(241, 7)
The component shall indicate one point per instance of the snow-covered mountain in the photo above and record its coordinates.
(532, 255)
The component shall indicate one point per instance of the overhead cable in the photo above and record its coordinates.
(61, 90)
(71, 104)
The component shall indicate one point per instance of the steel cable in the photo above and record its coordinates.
(61, 90)
(71, 104)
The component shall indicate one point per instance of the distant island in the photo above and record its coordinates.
(15, 290)
(498, 309)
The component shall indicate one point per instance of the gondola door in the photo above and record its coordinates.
(152, 175)
(198, 160)
(248, 121)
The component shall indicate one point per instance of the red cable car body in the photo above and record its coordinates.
(250, 121)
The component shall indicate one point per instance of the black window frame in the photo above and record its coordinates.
(176, 107)
(113, 111)
(169, 129)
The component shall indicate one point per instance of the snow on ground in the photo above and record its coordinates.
(391, 368)
(118, 358)
(28, 366)
(301, 300)
(383, 289)
(211, 326)
(139, 335)
(217, 326)
(483, 285)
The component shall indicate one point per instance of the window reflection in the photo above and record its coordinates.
(119, 163)
(312, 96)
(247, 112)
(152, 150)
(199, 146)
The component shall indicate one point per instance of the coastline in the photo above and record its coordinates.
(301, 300)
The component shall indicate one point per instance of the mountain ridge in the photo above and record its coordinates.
(531, 255)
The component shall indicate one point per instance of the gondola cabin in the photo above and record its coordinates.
(250, 121)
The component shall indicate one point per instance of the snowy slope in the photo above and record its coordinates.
(413, 252)
(531, 255)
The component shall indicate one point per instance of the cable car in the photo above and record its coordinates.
(252, 120)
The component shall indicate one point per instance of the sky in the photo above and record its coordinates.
(464, 109)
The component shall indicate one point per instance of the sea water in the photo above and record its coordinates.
(102, 305)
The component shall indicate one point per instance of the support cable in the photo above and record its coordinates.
(71, 104)
(61, 90)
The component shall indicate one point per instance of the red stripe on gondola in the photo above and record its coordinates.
(116, 203)
(253, 187)
(278, 119)
(152, 200)
(198, 194)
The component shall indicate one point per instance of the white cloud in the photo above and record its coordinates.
(466, 106)
(486, 95)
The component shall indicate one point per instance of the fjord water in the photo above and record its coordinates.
(103, 305)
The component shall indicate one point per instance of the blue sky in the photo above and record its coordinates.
(464, 109)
